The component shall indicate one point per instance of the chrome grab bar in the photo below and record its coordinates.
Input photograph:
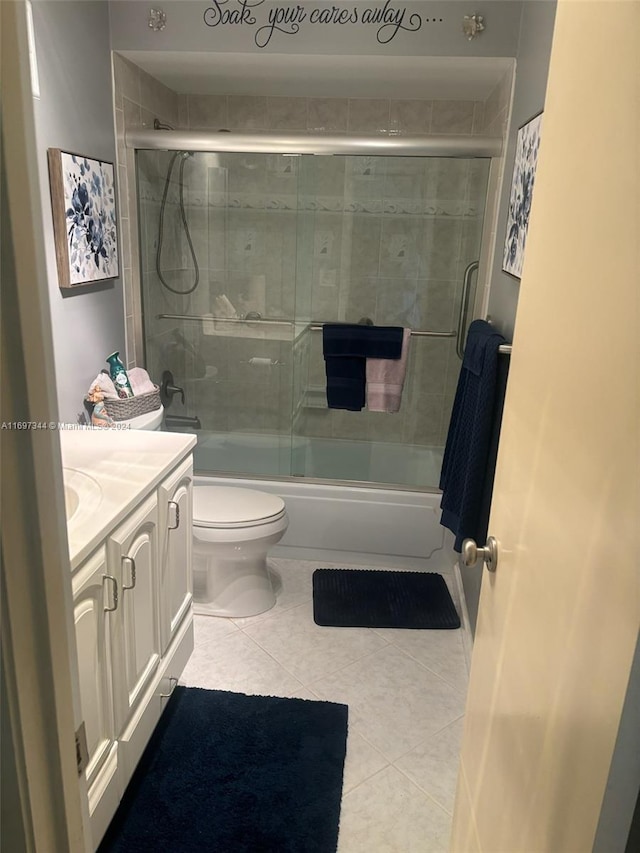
(464, 306)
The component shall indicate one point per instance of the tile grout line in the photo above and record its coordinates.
(324, 675)
(422, 791)
(430, 737)
(431, 671)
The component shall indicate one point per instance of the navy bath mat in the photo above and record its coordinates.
(236, 774)
(365, 598)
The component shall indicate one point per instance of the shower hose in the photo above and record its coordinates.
(183, 158)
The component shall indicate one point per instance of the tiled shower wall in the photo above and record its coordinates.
(399, 260)
(374, 283)
(138, 100)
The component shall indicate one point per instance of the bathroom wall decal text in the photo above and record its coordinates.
(388, 19)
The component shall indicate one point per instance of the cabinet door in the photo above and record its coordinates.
(94, 603)
(132, 553)
(176, 520)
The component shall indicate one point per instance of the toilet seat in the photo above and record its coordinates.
(227, 508)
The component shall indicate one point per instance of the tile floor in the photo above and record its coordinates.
(405, 691)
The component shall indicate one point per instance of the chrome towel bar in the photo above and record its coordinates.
(419, 333)
(505, 349)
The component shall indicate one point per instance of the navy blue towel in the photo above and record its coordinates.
(469, 460)
(346, 348)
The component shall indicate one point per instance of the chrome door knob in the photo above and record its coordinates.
(489, 554)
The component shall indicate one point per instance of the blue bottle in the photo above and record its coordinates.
(119, 376)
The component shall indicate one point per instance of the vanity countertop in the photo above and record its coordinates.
(107, 473)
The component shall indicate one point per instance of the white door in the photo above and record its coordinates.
(559, 619)
(176, 584)
(132, 553)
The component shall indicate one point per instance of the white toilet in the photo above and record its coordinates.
(150, 421)
(232, 531)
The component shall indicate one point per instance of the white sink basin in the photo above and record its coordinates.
(82, 493)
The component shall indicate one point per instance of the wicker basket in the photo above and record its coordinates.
(131, 407)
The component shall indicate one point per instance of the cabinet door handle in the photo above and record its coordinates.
(173, 682)
(132, 563)
(115, 592)
(174, 515)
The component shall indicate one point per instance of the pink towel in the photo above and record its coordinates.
(385, 378)
(140, 382)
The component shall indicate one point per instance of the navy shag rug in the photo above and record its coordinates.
(236, 774)
(368, 598)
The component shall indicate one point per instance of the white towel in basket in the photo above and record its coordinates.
(105, 384)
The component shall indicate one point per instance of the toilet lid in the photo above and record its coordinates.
(224, 506)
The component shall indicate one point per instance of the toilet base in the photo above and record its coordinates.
(231, 588)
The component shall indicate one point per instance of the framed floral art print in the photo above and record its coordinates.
(524, 175)
(84, 218)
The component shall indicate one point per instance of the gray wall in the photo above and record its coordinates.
(75, 113)
(440, 33)
(534, 49)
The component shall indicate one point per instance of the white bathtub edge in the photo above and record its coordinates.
(379, 526)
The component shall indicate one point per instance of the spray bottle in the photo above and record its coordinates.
(119, 376)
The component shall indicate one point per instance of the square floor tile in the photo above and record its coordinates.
(209, 629)
(389, 814)
(440, 651)
(362, 762)
(236, 663)
(394, 702)
(433, 765)
(310, 651)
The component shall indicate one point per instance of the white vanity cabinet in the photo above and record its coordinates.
(176, 578)
(132, 559)
(134, 633)
(93, 614)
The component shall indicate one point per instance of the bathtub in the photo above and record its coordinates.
(355, 525)
(272, 455)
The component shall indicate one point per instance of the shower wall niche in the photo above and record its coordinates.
(281, 243)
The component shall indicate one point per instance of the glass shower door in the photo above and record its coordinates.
(386, 239)
(244, 256)
(228, 341)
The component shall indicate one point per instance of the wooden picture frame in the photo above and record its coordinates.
(83, 200)
(520, 198)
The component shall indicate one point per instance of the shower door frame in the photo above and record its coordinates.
(320, 144)
(265, 142)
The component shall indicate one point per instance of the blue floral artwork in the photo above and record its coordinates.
(84, 209)
(524, 175)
